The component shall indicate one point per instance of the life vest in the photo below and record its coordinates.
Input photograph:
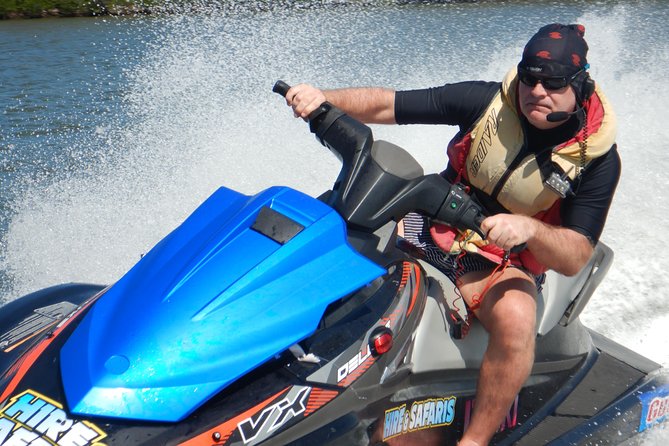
(491, 158)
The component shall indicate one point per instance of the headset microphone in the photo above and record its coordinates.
(561, 115)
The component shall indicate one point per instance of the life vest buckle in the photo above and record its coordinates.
(558, 184)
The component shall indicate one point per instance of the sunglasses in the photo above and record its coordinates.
(549, 83)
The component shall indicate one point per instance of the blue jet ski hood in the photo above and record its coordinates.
(241, 280)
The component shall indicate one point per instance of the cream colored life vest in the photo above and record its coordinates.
(497, 138)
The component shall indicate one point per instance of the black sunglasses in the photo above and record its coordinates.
(549, 83)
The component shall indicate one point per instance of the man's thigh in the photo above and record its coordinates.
(500, 298)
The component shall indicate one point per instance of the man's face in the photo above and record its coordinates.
(537, 102)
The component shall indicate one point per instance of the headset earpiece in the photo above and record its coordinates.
(587, 88)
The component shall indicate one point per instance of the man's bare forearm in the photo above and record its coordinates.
(560, 249)
(374, 105)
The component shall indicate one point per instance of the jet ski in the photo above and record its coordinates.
(284, 319)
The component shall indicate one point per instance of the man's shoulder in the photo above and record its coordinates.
(610, 159)
(603, 172)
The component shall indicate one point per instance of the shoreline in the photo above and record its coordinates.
(14, 10)
(35, 9)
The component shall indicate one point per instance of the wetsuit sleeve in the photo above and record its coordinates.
(458, 104)
(587, 209)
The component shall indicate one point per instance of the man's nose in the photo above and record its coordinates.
(539, 90)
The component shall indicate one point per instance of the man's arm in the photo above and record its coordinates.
(372, 105)
(565, 249)
(560, 249)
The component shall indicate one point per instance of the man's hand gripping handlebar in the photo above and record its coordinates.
(457, 209)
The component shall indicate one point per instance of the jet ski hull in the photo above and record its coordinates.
(607, 395)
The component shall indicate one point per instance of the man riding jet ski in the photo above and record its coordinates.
(538, 151)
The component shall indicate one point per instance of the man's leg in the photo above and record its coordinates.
(508, 313)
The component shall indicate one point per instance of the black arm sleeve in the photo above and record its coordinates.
(458, 104)
(587, 209)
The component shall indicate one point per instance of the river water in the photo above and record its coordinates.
(112, 130)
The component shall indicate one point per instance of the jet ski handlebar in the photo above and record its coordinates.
(280, 87)
(380, 181)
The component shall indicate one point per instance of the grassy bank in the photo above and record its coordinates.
(15, 9)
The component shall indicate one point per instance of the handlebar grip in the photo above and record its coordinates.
(478, 219)
(516, 249)
(281, 88)
(477, 222)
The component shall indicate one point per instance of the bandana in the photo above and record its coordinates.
(556, 50)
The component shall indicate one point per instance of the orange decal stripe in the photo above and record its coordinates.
(362, 368)
(318, 399)
(406, 270)
(412, 303)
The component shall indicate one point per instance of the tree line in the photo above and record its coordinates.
(14, 9)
